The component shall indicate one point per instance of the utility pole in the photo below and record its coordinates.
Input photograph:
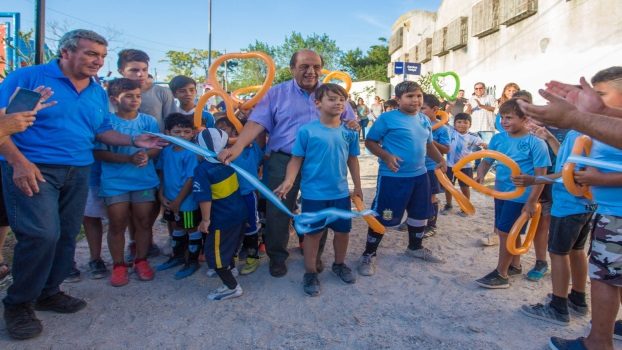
(209, 40)
(39, 31)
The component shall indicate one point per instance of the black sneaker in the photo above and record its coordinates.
(97, 269)
(61, 303)
(21, 321)
(579, 310)
(493, 280)
(515, 271)
(344, 273)
(556, 343)
(311, 284)
(277, 268)
(547, 313)
(74, 275)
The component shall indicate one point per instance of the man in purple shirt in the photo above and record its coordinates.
(284, 109)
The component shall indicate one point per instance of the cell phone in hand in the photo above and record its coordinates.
(23, 100)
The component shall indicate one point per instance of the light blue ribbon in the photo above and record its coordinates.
(302, 222)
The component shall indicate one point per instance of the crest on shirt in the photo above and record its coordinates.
(196, 187)
(387, 215)
(347, 136)
(523, 146)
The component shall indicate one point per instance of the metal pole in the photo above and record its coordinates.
(39, 31)
(209, 42)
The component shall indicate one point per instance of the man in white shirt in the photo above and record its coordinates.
(481, 107)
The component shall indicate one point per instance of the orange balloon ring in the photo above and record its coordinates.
(507, 161)
(464, 203)
(531, 232)
(444, 119)
(374, 224)
(338, 75)
(213, 78)
(583, 144)
(198, 110)
(235, 95)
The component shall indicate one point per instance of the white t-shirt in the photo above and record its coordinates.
(483, 120)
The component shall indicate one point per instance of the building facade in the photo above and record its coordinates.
(528, 42)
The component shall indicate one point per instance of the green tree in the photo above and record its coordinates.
(369, 66)
(193, 63)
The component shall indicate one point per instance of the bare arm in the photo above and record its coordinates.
(111, 157)
(185, 190)
(532, 200)
(482, 170)
(355, 173)
(441, 148)
(592, 177)
(249, 133)
(436, 156)
(206, 211)
(293, 167)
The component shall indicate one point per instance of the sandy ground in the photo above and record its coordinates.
(407, 304)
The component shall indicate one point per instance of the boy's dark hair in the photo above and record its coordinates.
(177, 119)
(523, 95)
(120, 85)
(609, 74)
(511, 106)
(224, 122)
(131, 55)
(323, 90)
(180, 81)
(431, 100)
(390, 103)
(406, 86)
(463, 116)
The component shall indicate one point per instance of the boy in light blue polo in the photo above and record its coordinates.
(401, 139)
(128, 181)
(323, 149)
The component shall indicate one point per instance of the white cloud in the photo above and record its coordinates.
(371, 20)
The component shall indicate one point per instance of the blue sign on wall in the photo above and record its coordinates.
(398, 68)
(413, 68)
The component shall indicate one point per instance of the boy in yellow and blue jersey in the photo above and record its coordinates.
(223, 212)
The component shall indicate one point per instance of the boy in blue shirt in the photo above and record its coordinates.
(128, 181)
(568, 233)
(223, 213)
(461, 144)
(605, 263)
(440, 138)
(323, 149)
(176, 166)
(185, 91)
(401, 139)
(249, 160)
(531, 155)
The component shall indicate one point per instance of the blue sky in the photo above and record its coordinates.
(156, 26)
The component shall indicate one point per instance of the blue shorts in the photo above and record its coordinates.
(394, 195)
(252, 221)
(435, 186)
(341, 225)
(506, 214)
(221, 245)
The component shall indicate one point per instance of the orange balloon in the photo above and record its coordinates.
(507, 161)
(531, 232)
(235, 95)
(444, 119)
(338, 75)
(464, 203)
(372, 222)
(583, 144)
(198, 110)
(213, 78)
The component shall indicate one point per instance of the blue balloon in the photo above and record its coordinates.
(303, 221)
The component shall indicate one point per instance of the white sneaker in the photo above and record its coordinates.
(367, 265)
(223, 293)
(424, 254)
(489, 240)
(211, 273)
(235, 272)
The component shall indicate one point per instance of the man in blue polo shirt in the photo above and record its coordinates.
(45, 176)
(284, 109)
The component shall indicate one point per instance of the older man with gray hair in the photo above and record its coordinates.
(45, 176)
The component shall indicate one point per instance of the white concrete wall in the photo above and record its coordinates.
(563, 41)
(369, 89)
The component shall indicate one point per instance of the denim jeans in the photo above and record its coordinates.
(45, 226)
